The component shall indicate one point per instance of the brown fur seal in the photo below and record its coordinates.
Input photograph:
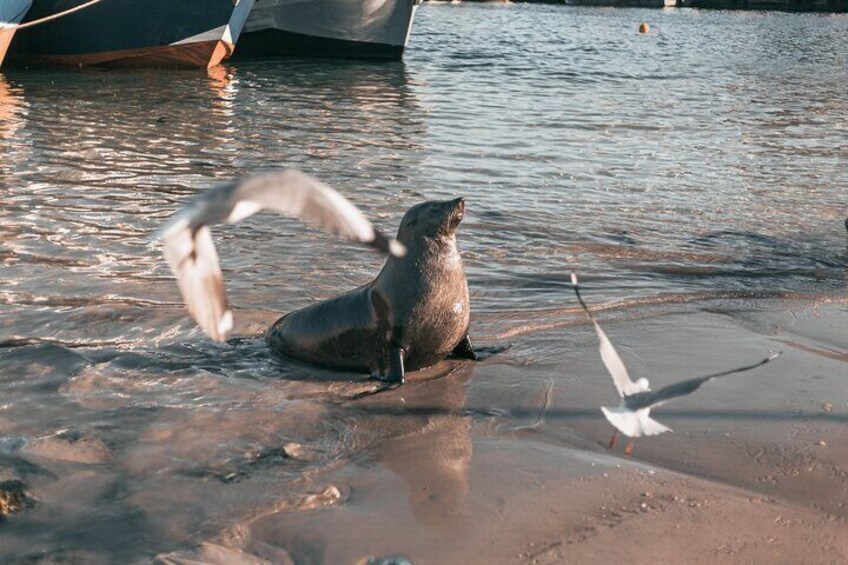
(414, 314)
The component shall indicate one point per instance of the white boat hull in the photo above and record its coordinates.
(329, 28)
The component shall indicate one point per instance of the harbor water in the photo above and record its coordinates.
(695, 177)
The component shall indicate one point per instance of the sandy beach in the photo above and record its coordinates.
(461, 464)
(470, 472)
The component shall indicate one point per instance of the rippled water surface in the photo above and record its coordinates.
(708, 159)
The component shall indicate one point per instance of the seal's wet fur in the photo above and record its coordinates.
(412, 315)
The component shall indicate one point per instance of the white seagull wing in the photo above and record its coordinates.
(634, 423)
(609, 355)
(649, 426)
(296, 194)
(191, 254)
(193, 259)
(614, 364)
(623, 420)
(687, 387)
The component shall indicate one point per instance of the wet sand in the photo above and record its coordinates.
(502, 461)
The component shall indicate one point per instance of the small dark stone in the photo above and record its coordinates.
(390, 560)
(13, 497)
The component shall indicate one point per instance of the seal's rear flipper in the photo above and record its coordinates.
(476, 353)
(464, 350)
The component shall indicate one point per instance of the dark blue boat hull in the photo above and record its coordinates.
(194, 33)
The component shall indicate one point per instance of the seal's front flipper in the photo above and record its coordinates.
(396, 372)
(464, 350)
(382, 321)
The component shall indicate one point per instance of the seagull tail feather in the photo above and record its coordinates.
(623, 420)
(650, 427)
(633, 424)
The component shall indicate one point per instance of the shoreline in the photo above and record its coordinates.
(792, 6)
(503, 460)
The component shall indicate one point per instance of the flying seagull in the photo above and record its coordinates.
(633, 416)
(191, 253)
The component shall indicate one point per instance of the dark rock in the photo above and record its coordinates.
(13, 497)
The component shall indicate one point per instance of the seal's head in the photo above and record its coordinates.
(435, 221)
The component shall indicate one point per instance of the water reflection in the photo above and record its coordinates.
(359, 115)
(13, 114)
(120, 130)
(434, 459)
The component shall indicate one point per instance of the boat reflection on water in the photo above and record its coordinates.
(13, 116)
(130, 129)
(357, 113)
(12, 110)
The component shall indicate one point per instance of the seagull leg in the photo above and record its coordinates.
(628, 451)
(613, 438)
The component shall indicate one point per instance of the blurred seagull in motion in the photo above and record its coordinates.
(632, 417)
(191, 253)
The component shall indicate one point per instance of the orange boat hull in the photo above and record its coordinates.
(192, 55)
(6, 35)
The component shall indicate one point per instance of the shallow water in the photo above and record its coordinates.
(704, 162)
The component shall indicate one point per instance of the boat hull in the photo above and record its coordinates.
(149, 33)
(377, 29)
(11, 14)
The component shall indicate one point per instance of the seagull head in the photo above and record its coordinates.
(643, 384)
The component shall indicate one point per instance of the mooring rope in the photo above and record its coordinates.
(56, 16)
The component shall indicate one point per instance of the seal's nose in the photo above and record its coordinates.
(454, 212)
